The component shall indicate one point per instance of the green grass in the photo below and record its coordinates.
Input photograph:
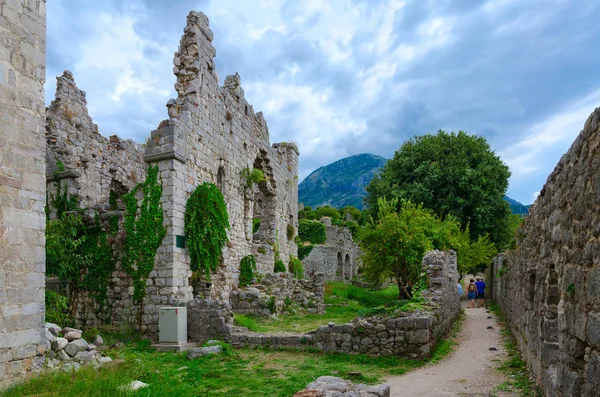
(514, 366)
(344, 303)
(244, 372)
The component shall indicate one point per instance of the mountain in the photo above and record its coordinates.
(340, 183)
(516, 207)
(343, 183)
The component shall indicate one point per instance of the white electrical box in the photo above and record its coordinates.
(172, 325)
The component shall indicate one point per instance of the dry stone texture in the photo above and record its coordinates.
(22, 187)
(407, 334)
(338, 258)
(549, 287)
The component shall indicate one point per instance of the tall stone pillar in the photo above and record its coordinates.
(22, 187)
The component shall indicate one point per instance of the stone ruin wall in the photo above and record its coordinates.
(22, 188)
(549, 287)
(338, 258)
(212, 134)
(409, 334)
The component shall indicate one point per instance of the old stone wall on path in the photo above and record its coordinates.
(22, 187)
(338, 258)
(549, 287)
(408, 334)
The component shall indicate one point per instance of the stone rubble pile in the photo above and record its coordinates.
(67, 350)
(331, 386)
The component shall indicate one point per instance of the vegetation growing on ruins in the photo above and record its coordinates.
(255, 224)
(295, 267)
(252, 176)
(313, 232)
(279, 266)
(144, 232)
(206, 225)
(247, 269)
(79, 255)
(451, 174)
(291, 232)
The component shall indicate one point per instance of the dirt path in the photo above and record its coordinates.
(469, 371)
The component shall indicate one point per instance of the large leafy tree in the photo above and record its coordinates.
(452, 174)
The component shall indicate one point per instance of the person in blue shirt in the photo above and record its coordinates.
(480, 284)
(460, 289)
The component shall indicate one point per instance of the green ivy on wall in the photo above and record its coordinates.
(295, 267)
(252, 176)
(247, 269)
(206, 225)
(144, 231)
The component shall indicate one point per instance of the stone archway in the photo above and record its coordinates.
(340, 266)
(347, 268)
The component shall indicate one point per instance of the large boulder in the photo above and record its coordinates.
(204, 351)
(72, 335)
(59, 344)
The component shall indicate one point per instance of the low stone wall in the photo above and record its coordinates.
(410, 334)
(280, 293)
(548, 287)
(208, 319)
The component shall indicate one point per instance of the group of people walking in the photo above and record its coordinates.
(475, 292)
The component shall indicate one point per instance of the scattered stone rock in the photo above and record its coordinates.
(53, 328)
(91, 346)
(59, 344)
(330, 324)
(63, 356)
(72, 335)
(85, 357)
(204, 351)
(98, 341)
(50, 336)
(133, 386)
(104, 360)
(331, 386)
(212, 342)
(73, 366)
(66, 330)
(74, 347)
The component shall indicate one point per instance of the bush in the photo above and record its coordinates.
(312, 231)
(245, 321)
(291, 232)
(295, 267)
(247, 268)
(57, 309)
(279, 266)
(304, 250)
(255, 225)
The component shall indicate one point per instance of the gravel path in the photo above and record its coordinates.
(469, 371)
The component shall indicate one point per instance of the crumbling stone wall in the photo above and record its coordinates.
(338, 258)
(409, 334)
(22, 187)
(549, 286)
(90, 164)
(280, 293)
(212, 134)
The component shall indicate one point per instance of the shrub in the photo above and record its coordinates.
(279, 266)
(206, 225)
(312, 231)
(57, 309)
(247, 268)
(304, 250)
(291, 232)
(252, 176)
(255, 225)
(296, 268)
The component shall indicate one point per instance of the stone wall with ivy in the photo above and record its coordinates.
(214, 135)
(22, 188)
(549, 286)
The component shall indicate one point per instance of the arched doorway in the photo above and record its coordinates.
(340, 267)
(347, 268)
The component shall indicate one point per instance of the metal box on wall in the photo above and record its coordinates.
(172, 325)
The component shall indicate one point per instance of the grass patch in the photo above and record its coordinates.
(344, 302)
(514, 366)
(244, 372)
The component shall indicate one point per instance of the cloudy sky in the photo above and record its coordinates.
(342, 77)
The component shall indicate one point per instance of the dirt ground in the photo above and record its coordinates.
(469, 371)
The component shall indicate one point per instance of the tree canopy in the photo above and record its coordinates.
(451, 174)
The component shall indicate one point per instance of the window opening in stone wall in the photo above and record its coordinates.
(340, 265)
(220, 178)
(531, 287)
(347, 268)
(265, 202)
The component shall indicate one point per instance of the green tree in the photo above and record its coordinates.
(451, 174)
(394, 245)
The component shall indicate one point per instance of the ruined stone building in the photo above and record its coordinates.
(22, 187)
(549, 287)
(337, 258)
(212, 134)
